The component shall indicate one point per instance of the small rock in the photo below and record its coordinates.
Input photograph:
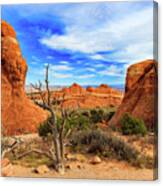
(79, 166)
(68, 166)
(80, 157)
(95, 160)
(7, 170)
(70, 157)
(41, 169)
(5, 162)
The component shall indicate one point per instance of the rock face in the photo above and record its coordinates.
(74, 89)
(90, 89)
(19, 114)
(105, 89)
(140, 99)
(76, 96)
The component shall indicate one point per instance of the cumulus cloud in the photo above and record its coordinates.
(64, 62)
(113, 70)
(90, 69)
(99, 65)
(62, 76)
(61, 67)
(131, 37)
(85, 76)
(97, 57)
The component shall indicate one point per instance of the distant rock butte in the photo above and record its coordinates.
(140, 99)
(76, 96)
(90, 89)
(19, 114)
(74, 89)
(105, 89)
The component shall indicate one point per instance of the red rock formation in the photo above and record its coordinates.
(90, 89)
(105, 89)
(74, 89)
(19, 114)
(102, 96)
(140, 98)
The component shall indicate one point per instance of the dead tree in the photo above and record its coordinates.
(47, 105)
(58, 133)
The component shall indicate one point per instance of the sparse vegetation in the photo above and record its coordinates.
(96, 115)
(108, 146)
(44, 129)
(98, 142)
(79, 120)
(131, 125)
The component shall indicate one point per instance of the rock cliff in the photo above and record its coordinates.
(140, 99)
(19, 114)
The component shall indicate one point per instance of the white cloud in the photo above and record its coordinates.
(45, 64)
(131, 35)
(98, 65)
(49, 57)
(64, 62)
(112, 71)
(78, 62)
(85, 76)
(97, 57)
(33, 62)
(90, 69)
(35, 58)
(62, 76)
(61, 67)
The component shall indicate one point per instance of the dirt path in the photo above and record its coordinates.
(104, 170)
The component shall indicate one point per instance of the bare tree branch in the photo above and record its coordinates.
(47, 85)
(35, 151)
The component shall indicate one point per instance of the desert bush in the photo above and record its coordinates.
(98, 142)
(78, 122)
(144, 162)
(44, 129)
(96, 115)
(86, 113)
(132, 125)
(108, 116)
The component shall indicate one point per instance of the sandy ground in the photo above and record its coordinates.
(104, 170)
(107, 169)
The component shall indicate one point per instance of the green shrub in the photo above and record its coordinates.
(80, 122)
(98, 142)
(77, 121)
(132, 125)
(96, 115)
(107, 116)
(44, 129)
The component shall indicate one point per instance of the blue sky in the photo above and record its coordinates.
(87, 43)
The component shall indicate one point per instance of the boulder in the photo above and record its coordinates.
(95, 160)
(7, 168)
(42, 169)
(5, 162)
(19, 114)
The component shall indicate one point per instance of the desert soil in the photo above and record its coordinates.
(107, 169)
(104, 170)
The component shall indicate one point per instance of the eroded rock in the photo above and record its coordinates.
(140, 99)
(19, 114)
